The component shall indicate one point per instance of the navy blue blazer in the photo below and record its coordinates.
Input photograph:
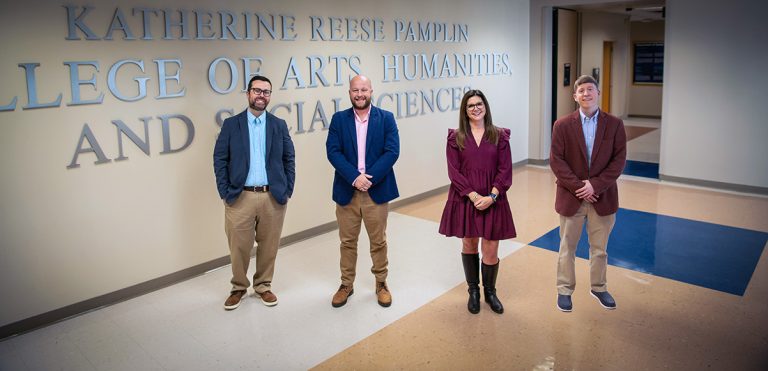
(382, 148)
(231, 158)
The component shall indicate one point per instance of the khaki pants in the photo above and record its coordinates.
(375, 218)
(598, 230)
(254, 217)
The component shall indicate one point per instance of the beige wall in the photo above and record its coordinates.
(540, 74)
(597, 27)
(540, 77)
(705, 68)
(714, 106)
(567, 53)
(73, 234)
(645, 100)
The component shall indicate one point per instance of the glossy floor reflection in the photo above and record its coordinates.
(708, 255)
(643, 138)
(660, 323)
(184, 327)
(642, 169)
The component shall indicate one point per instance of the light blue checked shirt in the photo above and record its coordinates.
(589, 126)
(257, 133)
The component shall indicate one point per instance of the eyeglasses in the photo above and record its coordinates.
(257, 91)
(471, 107)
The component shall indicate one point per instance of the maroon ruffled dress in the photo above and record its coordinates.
(479, 169)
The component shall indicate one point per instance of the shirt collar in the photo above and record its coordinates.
(364, 118)
(256, 119)
(584, 117)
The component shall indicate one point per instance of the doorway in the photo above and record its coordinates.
(565, 61)
(606, 82)
(601, 40)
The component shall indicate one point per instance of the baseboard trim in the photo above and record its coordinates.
(717, 185)
(542, 162)
(85, 306)
(76, 309)
(416, 198)
(644, 116)
(421, 196)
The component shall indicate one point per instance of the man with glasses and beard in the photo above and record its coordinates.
(363, 145)
(255, 171)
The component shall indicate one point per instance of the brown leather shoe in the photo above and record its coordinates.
(268, 298)
(383, 295)
(233, 301)
(340, 297)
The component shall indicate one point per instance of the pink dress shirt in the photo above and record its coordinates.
(361, 127)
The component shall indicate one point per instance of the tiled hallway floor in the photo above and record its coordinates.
(660, 323)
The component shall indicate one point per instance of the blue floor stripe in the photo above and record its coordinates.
(643, 169)
(703, 254)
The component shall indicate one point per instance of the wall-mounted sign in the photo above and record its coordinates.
(648, 67)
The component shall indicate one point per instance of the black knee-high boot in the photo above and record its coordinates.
(490, 272)
(471, 263)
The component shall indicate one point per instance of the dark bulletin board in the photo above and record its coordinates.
(648, 63)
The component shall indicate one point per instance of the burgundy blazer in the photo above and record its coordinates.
(568, 160)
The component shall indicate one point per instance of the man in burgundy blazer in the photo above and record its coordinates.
(588, 152)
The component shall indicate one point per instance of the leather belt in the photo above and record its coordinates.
(264, 188)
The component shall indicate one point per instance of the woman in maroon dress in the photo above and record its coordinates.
(480, 170)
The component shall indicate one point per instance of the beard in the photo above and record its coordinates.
(258, 105)
(366, 103)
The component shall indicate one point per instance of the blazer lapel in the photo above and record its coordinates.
(577, 127)
(350, 127)
(373, 119)
(269, 132)
(243, 121)
(598, 135)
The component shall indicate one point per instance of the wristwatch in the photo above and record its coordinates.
(493, 196)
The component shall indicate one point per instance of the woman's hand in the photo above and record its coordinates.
(484, 202)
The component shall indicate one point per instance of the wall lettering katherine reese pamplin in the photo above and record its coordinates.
(137, 79)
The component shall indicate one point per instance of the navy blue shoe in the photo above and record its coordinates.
(564, 303)
(605, 299)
